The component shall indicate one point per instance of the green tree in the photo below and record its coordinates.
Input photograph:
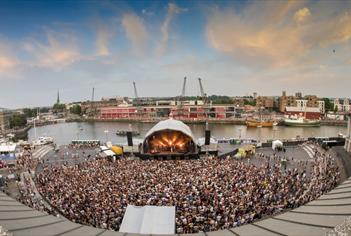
(28, 112)
(59, 107)
(18, 120)
(329, 106)
(249, 102)
(335, 109)
(76, 109)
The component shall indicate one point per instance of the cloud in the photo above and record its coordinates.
(6, 63)
(7, 60)
(103, 36)
(147, 12)
(302, 14)
(272, 33)
(171, 11)
(60, 50)
(135, 32)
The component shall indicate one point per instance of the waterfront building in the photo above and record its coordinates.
(298, 95)
(264, 101)
(286, 101)
(304, 103)
(346, 105)
(321, 105)
(342, 106)
(312, 113)
(301, 103)
(5, 116)
(194, 111)
(312, 100)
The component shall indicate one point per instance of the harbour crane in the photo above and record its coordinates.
(135, 91)
(204, 98)
(180, 109)
(92, 107)
(137, 100)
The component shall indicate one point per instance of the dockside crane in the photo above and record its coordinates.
(137, 100)
(92, 107)
(204, 98)
(180, 109)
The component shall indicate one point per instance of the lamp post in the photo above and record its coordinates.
(106, 134)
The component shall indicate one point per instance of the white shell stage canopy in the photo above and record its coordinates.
(171, 124)
(171, 137)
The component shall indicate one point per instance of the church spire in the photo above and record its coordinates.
(58, 97)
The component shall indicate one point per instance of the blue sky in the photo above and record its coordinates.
(236, 47)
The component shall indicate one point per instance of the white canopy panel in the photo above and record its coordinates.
(109, 153)
(149, 220)
(277, 143)
(171, 124)
(7, 148)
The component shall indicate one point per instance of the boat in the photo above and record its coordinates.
(259, 123)
(43, 141)
(302, 122)
(124, 133)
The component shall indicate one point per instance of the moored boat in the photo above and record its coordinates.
(124, 133)
(302, 122)
(258, 123)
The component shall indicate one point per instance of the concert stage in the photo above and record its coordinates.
(169, 139)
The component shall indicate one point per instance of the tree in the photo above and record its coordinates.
(335, 109)
(28, 113)
(250, 102)
(76, 109)
(59, 107)
(329, 106)
(18, 120)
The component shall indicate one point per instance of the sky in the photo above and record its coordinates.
(236, 47)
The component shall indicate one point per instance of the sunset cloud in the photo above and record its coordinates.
(103, 36)
(302, 14)
(172, 10)
(135, 31)
(60, 50)
(7, 60)
(282, 39)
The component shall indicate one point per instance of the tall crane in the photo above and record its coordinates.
(203, 95)
(92, 107)
(137, 100)
(180, 109)
(183, 89)
(135, 91)
(204, 98)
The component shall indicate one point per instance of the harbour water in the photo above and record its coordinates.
(64, 133)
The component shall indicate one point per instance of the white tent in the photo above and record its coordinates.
(149, 220)
(109, 153)
(276, 144)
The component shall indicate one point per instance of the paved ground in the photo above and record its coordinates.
(315, 218)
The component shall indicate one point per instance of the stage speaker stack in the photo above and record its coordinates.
(207, 137)
(129, 138)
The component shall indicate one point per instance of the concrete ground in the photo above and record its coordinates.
(318, 217)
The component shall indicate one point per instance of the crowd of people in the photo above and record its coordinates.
(29, 197)
(84, 144)
(208, 194)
